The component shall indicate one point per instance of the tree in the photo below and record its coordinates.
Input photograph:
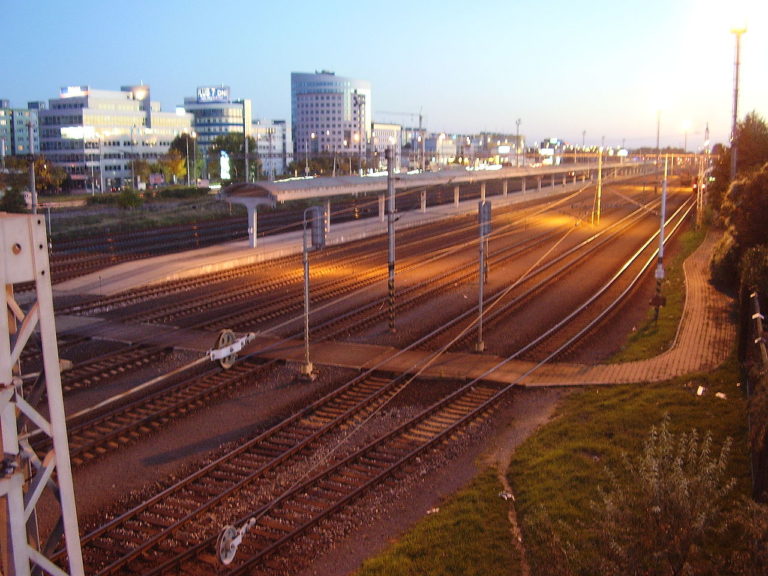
(752, 138)
(48, 177)
(142, 170)
(185, 144)
(233, 145)
(173, 165)
(745, 209)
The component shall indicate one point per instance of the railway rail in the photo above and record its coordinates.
(270, 507)
(95, 432)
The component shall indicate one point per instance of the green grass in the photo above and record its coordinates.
(595, 426)
(654, 337)
(95, 219)
(562, 465)
(469, 536)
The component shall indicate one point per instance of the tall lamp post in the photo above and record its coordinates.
(306, 154)
(734, 124)
(186, 140)
(517, 143)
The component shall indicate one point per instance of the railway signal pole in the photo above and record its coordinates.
(658, 299)
(484, 218)
(317, 226)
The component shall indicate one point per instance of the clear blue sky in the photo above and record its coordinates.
(561, 66)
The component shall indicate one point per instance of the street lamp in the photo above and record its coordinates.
(186, 140)
(194, 155)
(517, 143)
(306, 154)
(734, 126)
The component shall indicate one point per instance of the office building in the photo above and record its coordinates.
(330, 115)
(97, 136)
(215, 113)
(15, 131)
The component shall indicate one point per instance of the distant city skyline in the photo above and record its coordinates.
(598, 71)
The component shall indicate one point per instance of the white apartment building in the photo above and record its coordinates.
(386, 136)
(274, 148)
(97, 135)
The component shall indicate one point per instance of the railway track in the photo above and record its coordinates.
(271, 506)
(505, 301)
(97, 370)
(96, 432)
(248, 472)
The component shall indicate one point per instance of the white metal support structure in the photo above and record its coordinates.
(25, 475)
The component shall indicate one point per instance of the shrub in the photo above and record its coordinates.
(182, 193)
(129, 199)
(12, 201)
(724, 266)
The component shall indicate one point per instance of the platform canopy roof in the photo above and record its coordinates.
(264, 192)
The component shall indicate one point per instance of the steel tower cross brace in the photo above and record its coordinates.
(24, 474)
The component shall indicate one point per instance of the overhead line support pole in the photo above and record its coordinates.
(391, 236)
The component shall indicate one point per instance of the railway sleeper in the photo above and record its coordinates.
(264, 532)
(299, 506)
(349, 478)
(332, 485)
(307, 501)
(357, 473)
(160, 521)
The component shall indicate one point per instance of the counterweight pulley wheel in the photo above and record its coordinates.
(226, 338)
(226, 546)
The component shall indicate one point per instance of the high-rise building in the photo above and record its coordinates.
(15, 131)
(214, 113)
(98, 135)
(330, 115)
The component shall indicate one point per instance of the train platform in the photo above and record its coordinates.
(220, 257)
(705, 337)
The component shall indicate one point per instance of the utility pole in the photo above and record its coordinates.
(245, 144)
(317, 229)
(658, 299)
(389, 155)
(596, 213)
(484, 220)
(32, 188)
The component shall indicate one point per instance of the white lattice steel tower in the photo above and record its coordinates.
(25, 475)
